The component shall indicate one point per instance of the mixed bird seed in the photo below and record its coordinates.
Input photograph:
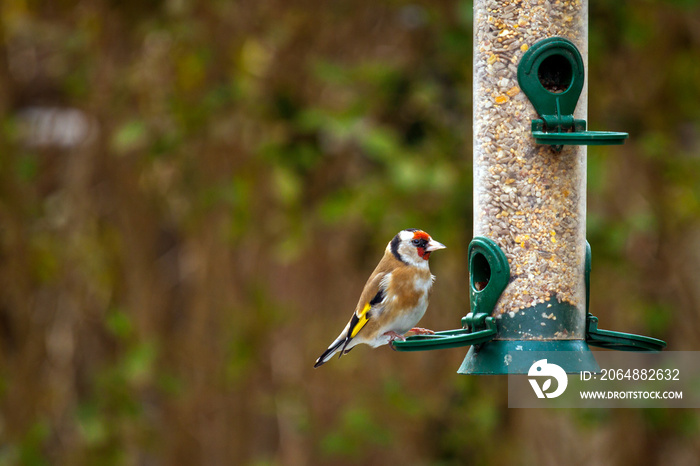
(529, 198)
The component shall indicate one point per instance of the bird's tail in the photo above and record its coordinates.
(335, 346)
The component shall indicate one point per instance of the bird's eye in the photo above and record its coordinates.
(416, 242)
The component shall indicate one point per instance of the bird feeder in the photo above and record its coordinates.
(529, 261)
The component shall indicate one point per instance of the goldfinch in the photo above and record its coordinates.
(394, 298)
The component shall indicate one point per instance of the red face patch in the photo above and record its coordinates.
(421, 252)
(421, 235)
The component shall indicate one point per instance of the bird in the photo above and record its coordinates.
(394, 298)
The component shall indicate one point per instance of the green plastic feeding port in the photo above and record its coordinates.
(494, 340)
(551, 74)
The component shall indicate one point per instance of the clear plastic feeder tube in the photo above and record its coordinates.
(529, 198)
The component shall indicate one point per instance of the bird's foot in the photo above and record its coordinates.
(393, 336)
(421, 331)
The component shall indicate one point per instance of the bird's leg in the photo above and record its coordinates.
(394, 336)
(422, 331)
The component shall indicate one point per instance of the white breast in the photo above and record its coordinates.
(424, 284)
(411, 318)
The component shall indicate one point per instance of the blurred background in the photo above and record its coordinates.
(192, 195)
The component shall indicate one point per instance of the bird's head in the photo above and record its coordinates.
(414, 247)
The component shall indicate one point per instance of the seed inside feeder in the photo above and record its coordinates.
(523, 190)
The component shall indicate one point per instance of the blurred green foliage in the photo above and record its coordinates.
(169, 277)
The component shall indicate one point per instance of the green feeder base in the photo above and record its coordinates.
(498, 357)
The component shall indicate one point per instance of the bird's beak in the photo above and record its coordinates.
(434, 246)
